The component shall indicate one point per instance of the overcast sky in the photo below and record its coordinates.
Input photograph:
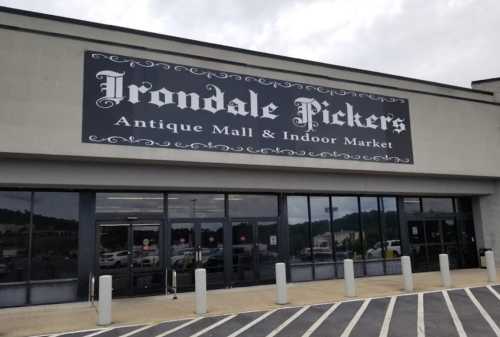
(449, 41)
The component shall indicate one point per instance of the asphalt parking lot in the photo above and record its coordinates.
(473, 312)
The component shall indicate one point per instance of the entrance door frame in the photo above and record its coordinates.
(442, 244)
(130, 222)
(197, 233)
(254, 222)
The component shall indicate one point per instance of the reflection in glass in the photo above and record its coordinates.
(212, 252)
(449, 231)
(129, 203)
(411, 205)
(55, 235)
(391, 234)
(298, 226)
(320, 227)
(370, 224)
(437, 205)
(253, 205)
(113, 246)
(146, 246)
(14, 228)
(346, 228)
(266, 249)
(182, 258)
(243, 264)
(187, 205)
(432, 231)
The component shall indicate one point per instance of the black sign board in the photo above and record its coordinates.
(132, 101)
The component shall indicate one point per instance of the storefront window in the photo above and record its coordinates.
(55, 235)
(411, 205)
(320, 227)
(298, 224)
(391, 234)
(14, 231)
(346, 228)
(437, 205)
(187, 205)
(122, 203)
(252, 205)
(370, 224)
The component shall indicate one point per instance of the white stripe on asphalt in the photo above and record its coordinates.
(493, 291)
(348, 329)
(177, 328)
(128, 334)
(384, 331)
(454, 316)
(216, 324)
(252, 323)
(420, 316)
(483, 312)
(320, 320)
(288, 321)
(98, 332)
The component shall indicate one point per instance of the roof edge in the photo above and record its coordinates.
(493, 79)
(92, 24)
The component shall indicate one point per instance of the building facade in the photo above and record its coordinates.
(134, 154)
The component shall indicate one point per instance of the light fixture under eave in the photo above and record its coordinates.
(134, 198)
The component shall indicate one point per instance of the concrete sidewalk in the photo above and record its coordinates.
(40, 320)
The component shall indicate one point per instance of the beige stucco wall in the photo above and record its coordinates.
(41, 106)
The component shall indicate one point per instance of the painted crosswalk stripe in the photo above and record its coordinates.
(348, 329)
(252, 323)
(288, 321)
(177, 328)
(320, 320)
(384, 331)
(213, 326)
(483, 312)
(454, 316)
(494, 292)
(420, 316)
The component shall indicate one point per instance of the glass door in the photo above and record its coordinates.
(255, 251)
(197, 244)
(130, 253)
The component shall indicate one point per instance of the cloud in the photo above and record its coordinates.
(449, 41)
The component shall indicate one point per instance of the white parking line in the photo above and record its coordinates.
(177, 328)
(420, 316)
(483, 312)
(490, 288)
(454, 316)
(288, 321)
(320, 320)
(384, 331)
(213, 326)
(130, 333)
(98, 332)
(252, 323)
(348, 329)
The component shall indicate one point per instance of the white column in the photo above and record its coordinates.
(490, 266)
(105, 298)
(200, 280)
(349, 282)
(407, 273)
(281, 291)
(444, 265)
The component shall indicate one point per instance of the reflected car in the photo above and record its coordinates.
(114, 259)
(392, 249)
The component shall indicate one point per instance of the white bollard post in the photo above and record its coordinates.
(444, 265)
(349, 281)
(490, 266)
(281, 291)
(200, 285)
(407, 273)
(105, 297)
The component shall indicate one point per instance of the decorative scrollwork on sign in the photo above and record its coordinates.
(210, 74)
(249, 149)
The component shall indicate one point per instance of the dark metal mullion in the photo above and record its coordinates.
(309, 226)
(381, 227)
(332, 235)
(30, 248)
(227, 243)
(362, 236)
